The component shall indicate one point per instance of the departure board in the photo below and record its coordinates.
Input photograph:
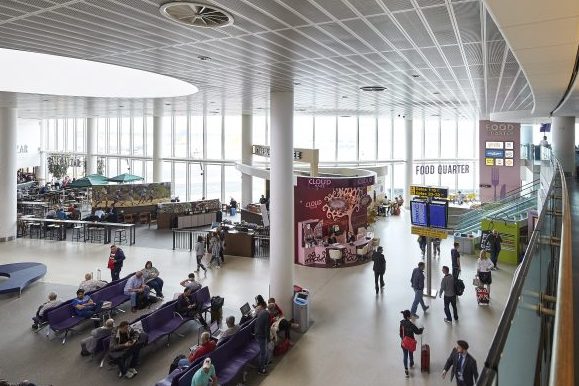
(418, 213)
(438, 214)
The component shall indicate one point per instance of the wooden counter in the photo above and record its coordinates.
(239, 244)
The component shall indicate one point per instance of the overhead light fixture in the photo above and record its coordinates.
(297, 83)
(436, 93)
(373, 88)
(415, 76)
(204, 58)
(196, 14)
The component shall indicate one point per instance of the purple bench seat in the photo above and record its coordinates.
(163, 322)
(229, 358)
(62, 318)
(113, 292)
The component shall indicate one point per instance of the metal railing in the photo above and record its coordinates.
(186, 238)
(533, 344)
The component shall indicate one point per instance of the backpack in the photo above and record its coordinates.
(175, 362)
(459, 287)
(217, 302)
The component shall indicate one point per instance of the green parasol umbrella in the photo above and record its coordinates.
(125, 177)
(87, 182)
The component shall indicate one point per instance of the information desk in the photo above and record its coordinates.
(319, 255)
(108, 227)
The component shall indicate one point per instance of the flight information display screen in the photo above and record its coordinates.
(418, 212)
(438, 214)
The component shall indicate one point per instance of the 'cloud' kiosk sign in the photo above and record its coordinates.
(325, 183)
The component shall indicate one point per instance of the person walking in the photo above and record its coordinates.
(494, 241)
(422, 245)
(199, 253)
(483, 269)
(115, 264)
(417, 282)
(455, 261)
(447, 288)
(215, 246)
(464, 367)
(436, 247)
(408, 343)
(379, 268)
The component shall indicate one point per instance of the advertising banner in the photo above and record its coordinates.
(500, 158)
(130, 195)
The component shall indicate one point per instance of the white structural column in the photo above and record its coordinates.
(246, 158)
(41, 170)
(8, 123)
(409, 162)
(157, 148)
(281, 261)
(91, 145)
(563, 142)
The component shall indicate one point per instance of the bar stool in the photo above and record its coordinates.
(95, 234)
(50, 231)
(128, 218)
(120, 236)
(76, 232)
(35, 228)
(57, 232)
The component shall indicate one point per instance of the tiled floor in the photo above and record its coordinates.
(353, 338)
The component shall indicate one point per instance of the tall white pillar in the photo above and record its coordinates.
(563, 142)
(157, 148)
(246, 158)
(8, 137)
(526, 134)
(281, 261)
(41, 170)
(91, 145)
(409, 162)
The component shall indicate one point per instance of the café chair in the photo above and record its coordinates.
(336, 255)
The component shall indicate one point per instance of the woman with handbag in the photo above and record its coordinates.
(408, 344)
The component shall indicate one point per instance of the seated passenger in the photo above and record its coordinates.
(52, 302)
(152, 279)
(125, 346)
(51, 213)
(191, 283)
(99, 213)
(84, 306)
(205, 376)
(232, 328)
(277, 320)
(205, 346)
(136, 287)
(89, 284)
(88, 345)
(61, 215)
(187, 308)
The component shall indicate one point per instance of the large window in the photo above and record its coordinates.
(199, 152)
(325, 126)
(347, 138)
(367, 141)
(214, 137)
(303, 131)
(232, 137)
(385, 137)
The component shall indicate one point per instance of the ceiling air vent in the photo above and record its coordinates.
(196, 14)
(373, 88)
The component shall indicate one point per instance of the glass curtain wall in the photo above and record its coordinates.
(199, 152)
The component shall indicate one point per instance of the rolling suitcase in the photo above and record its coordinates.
(483, 296)
(424, 356)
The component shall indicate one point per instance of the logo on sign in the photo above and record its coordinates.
(313, 204)
(494, 153)
(500, 128)
(494, 145)
(320, 183)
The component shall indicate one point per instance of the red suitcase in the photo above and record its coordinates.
(482, 296)
(424, 357)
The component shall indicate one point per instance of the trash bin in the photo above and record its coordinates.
(301, 305)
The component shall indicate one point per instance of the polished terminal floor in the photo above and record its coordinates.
(353, 338)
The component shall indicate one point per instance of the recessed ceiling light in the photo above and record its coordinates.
(300, 110)
(373, 88)
(167, 104)
(345, 116)
(415, 76)
(204, 58)
(121, 106)
(344, 97)
(436, 93)
(297, 83)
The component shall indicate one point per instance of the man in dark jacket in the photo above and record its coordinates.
(463, 365)
(417, 282)
(494, 241)
(124, 349)
(379, 268)
(118, 256)
(447, 288)
(261, 331)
